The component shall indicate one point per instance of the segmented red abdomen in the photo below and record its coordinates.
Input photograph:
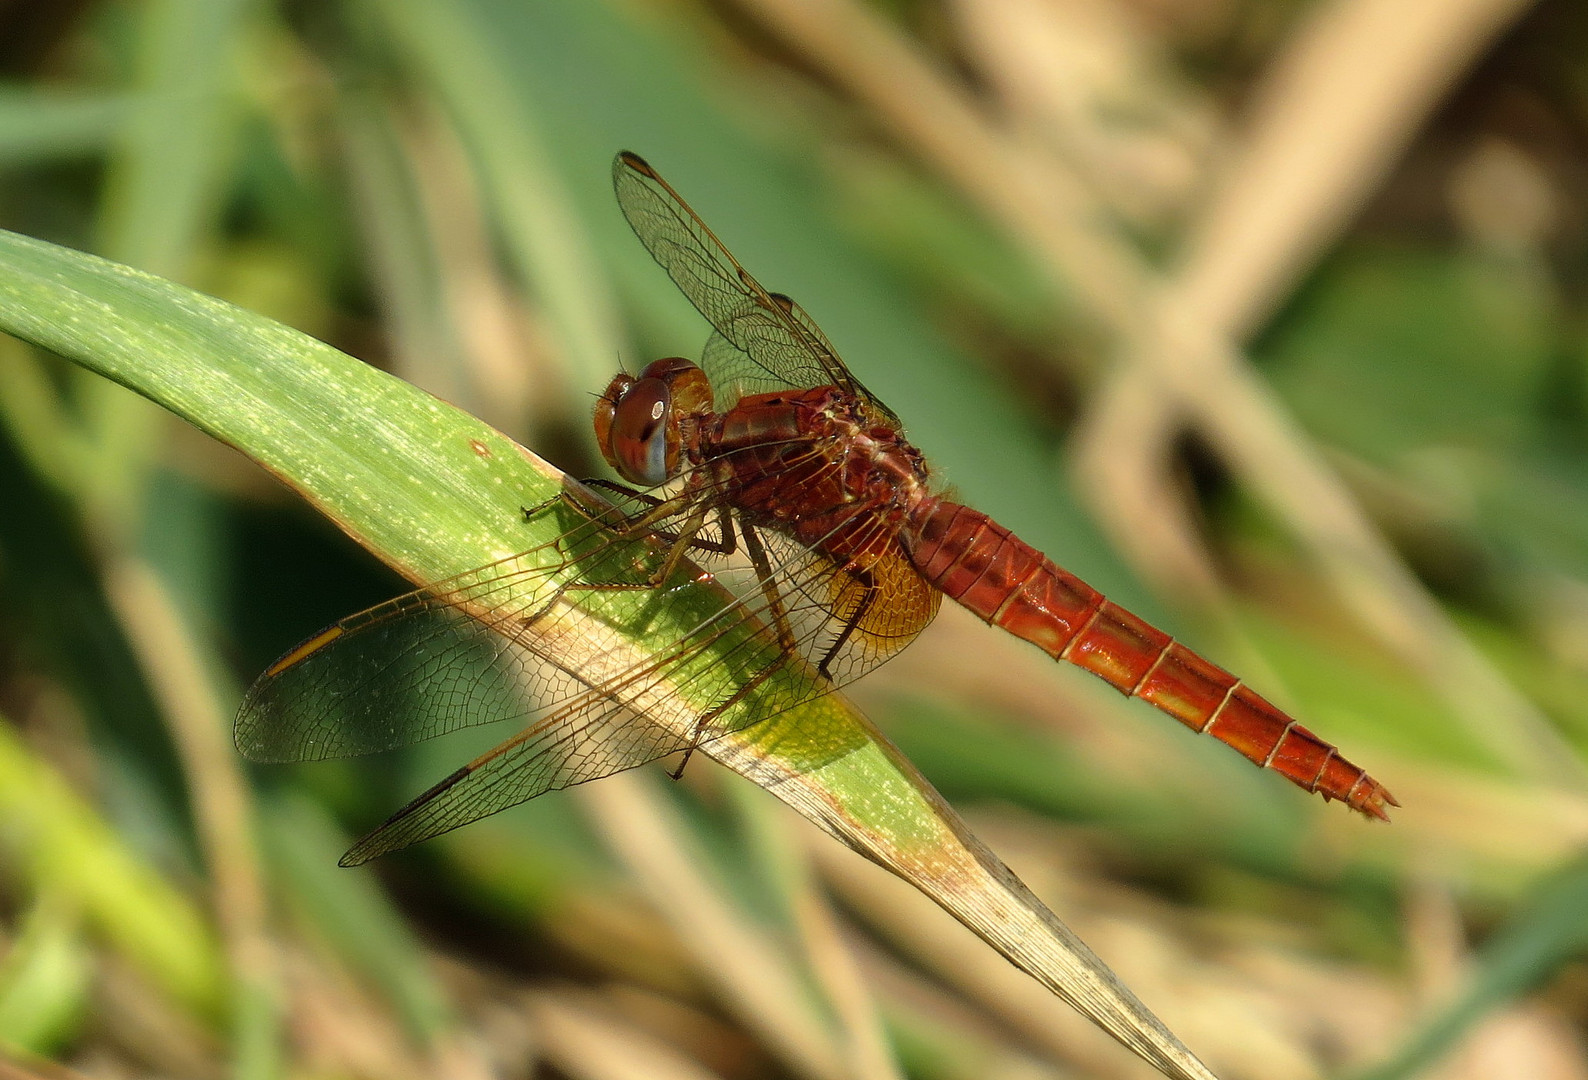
(994, 573)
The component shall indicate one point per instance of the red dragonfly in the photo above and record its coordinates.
(770, 462)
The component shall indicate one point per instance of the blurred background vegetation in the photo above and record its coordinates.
(1269, 318)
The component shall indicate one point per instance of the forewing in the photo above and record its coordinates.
(734, 374)
(781, 345)
(409, 671)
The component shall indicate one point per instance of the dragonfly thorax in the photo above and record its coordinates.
(816, 464)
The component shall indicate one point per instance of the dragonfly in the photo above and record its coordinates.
(767, 470)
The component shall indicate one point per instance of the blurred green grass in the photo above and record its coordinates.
(307, 166)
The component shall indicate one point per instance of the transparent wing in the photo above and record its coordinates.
(594, 736)
(734, 374)
(781, 346)
(519, 641)
(435, 660)
(850, 623)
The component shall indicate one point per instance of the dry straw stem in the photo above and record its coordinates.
(1389, 60)
(398, 248)
(966, 1040)
(1330, 118)
(821, 935)
(587, 1042)
(37, 1069)
(822, 939)
(753, 978)
(1104, 57)
(338, 1028)
(914, 930)
(961, 874)
(541, 236)
(222, 808)
(508, 361)
(1053, 67)
(454, 327)
(1255, 1003)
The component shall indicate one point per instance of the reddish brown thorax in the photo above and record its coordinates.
(818, 464)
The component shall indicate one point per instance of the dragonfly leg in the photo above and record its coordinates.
(723, 544)
(680, 542)
(711, 714)
(774, 600)
(868, 583)
(569, 496)
(774, 605)
(606, 513)
(596, 513)
(621, 489)
(683, 540)
(646, 522)
(624, 493)
(532, 512)
(678, 773)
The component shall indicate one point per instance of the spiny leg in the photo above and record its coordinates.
(615, 518)
(646, 522)
(570, 496)
(621, 490)
(774, 599)
(868, 583)
(711, 714)
(724, 544)
(684, 540)
(598, 515)
(785, 632)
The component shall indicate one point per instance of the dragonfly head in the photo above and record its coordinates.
(639, 421)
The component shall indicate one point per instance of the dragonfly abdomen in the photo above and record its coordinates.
(1006, 582)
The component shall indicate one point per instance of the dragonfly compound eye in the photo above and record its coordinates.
(641, 441)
